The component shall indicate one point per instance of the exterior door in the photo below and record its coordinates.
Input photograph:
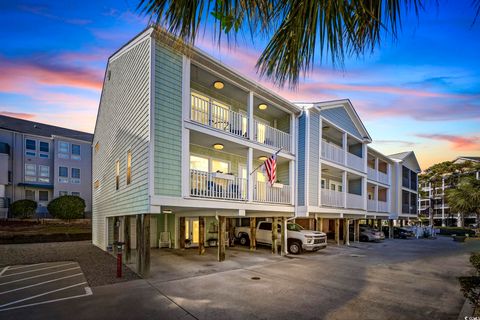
(192, 231)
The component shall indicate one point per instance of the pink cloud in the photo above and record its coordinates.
(21, 115)
(460, 143)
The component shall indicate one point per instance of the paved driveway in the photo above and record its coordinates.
(396, 279)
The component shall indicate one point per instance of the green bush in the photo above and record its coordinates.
(67, 207)
(475, 260)
(447, 231)
(23, 209)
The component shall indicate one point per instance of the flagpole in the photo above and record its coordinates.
(276, 153)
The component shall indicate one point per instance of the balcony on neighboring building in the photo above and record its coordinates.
(377, 169)
(377, 198)
(334, 194)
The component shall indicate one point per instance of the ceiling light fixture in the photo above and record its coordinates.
(262, 158)
(218, 85)
(262, 106)
(218, 146)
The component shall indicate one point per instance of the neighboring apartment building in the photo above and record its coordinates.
(41, 162)
(179, 139)
(442, 216)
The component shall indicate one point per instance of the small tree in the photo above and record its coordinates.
(67, 207)
(23, 209)
(465, 198)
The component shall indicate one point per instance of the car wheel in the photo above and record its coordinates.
(364, 238)
(294, 247)
(244, 240)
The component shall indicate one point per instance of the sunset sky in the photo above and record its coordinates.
(420, 92)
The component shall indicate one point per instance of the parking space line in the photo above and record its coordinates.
(26, 266)
(51, 267)
(3, 270)
(88, 292)
(41, 295)
(40, 275)
(40, 283)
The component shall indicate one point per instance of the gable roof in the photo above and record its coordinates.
(41, 129)
(347, 105)
(474, 159)
(407, 156)
(400, 156)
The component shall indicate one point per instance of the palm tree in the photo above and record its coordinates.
(297, 30)
(465, 198)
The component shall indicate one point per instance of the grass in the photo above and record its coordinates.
(37, 229)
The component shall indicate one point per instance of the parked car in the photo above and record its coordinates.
(399, 232)
(370, 234)
(298, 238)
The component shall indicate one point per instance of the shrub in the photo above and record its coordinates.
(475, 260)
(67, 207)
(23, 209)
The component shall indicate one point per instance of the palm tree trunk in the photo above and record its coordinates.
(462, 220)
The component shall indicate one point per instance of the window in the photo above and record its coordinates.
(218, 165)
(30, 153)
(96, 184)
(75, 151)
(323, 183)
(117, 175)
(63, 149)
(30, 144)
(265, 226)
(63, 174)
(97, 147)
(75, 175)
(77, 194)
(42, 195)
(44, 173)
(43, 155)
(198, 163)
(44, 146)
(129, 167)
(30, 195)
(340, 189)
(62, 193)
(332, 187)
(30, 171)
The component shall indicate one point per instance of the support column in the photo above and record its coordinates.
(345, 147)
(182, 232)
(143, 244)
(390, 229)
(379, 224)
(357, 230)
(274, 235)
(346, 232)
(283, 236)
(221, 238)
(376, 197)
(344, 188)
(337, 231)
(250, 176)
(364, 193)
(320, 224)
(201, 235)
(253, 233)
(126, 236)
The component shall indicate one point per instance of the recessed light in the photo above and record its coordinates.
(262, 106)
(218, 85)
(167, 211)
(218, 146)
(262, 158)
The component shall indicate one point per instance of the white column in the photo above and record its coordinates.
(364, 193)
(292, 180)
(345, 146)
(250, 108)
(376, 169)
(344, 187)
(250, 176)
(293, 135)
(365, 157)
(376, 198)
(320, 184)
(186, 108)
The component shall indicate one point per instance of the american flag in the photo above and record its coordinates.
(271, 168)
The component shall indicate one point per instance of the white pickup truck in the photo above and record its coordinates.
(298, 238)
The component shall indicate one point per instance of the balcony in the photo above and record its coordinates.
(332, 198)
(217, 186)
(372, 173)
(382, 177)
(383, 206)
(271, 137)
(265, 192)
(354, 201)
(332, 152)
(372, 205)
(355, 162)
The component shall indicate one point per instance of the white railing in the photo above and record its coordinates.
(271, 136)
(372, 205)
(332, 198)
(219, 186)
(383, 206)
(372, 173)
(382, 177)
(264, 192)
(218, 117)
(354, 201)
(332, 152)
(355, 162)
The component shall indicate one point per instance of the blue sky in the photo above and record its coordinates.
(420, 92)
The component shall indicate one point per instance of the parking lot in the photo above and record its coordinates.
(24, 286)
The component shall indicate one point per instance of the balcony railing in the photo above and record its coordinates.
(218, 186)
(333, 153)
(371, 173)
(382, 206)
(354, 201)
(265, 192)
(355, 162)
(382, 177)
(372, 205)
(332, 198)
(271, 136)
(4, 202)
(218, 117)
